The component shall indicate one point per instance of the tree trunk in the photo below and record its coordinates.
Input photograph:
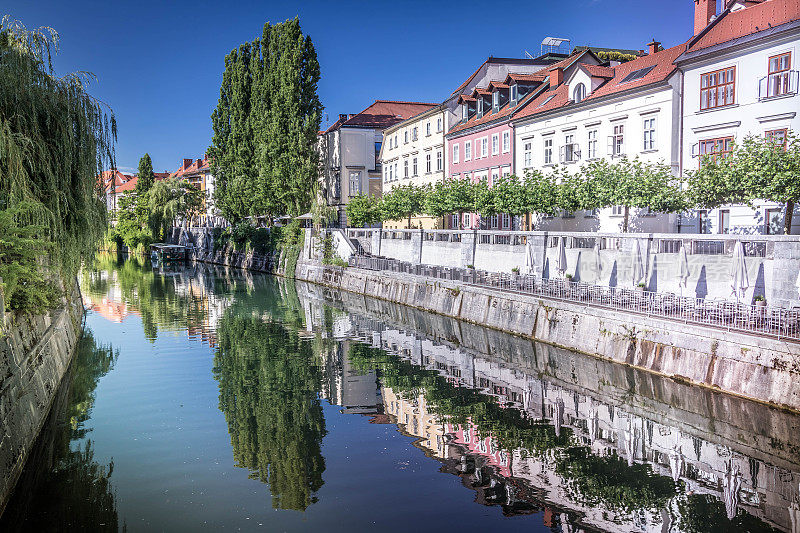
(625, 219)
(409, 221)
(787, 219)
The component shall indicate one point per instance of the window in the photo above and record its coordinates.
(355, 183)
(546, 100)
(618, 210)
(428, 129)
(715, 148)
(506, 142)
(717, 88)
(527, 154)
(467, 150)
(414, 167)
(455, 152)
(427, 163)
(494, 220)
(438, 124)
(495, 144)
(480, 106)
(579, 93)
(704, 225)
(496, 101)
(390, 172)
(414, 134)
(637, 74)
(395, 140)
(616, 142)
(454, 222)
(649, 134)
(396, 173)
(405, 135)
(405, 168)
(495, 176)
(773, 218)
(464, 112)
(385, 174)
(778, 77)
(439, 160)
(777, 137)
(592, 152)
(548, 151)
(484, 146)
(514, 93)
(724, 221)
(506, 221)
(570, 152)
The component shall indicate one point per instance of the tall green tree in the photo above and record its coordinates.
(55, 139)
(403, 201)
(757, 169)
(265, 125)
(146, 176)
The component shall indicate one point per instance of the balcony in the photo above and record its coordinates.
(778, 85)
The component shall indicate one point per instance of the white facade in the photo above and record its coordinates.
(755, 103)
(642, 122)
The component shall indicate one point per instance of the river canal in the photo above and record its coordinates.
(205, 398)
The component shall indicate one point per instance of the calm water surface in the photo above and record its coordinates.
(214, 399)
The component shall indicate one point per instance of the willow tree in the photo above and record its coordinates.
(263, 153)
(55, 139)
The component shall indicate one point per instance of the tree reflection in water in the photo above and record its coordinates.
(268, 382)
(62, 486)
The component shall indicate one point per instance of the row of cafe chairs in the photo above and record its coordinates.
(718, 312)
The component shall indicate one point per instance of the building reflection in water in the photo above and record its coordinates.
(527, 427)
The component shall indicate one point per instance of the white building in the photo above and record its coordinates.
(740, 78)
(413, 153)
(592, 111)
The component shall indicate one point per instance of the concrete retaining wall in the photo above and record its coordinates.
(758, 368)
(35, 352)
(772, 268)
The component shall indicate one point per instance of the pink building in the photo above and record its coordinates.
(481, 144)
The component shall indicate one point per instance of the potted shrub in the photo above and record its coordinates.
(760, 301)
(640, 286)
(515, 270)
(568, 277)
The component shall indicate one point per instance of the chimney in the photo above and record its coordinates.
(703, 11)
(186, 163)
(556, 77)
(343, 117)
(653, 46)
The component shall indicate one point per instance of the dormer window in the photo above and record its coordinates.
(464, 111)
(495, 101)
(579, 93)
(480, 107)
(514, 91)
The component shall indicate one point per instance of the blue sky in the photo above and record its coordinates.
(159, 63)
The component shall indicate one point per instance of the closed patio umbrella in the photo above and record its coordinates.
(683, 268)
(528, 268)
(637, 266)
(738, 271)
(598, 263)
(561, 260)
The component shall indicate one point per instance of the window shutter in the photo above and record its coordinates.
(576, 150)
(610, 145)
(561, 153)
(762, 88)
(695, 149)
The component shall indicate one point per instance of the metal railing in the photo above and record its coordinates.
(730, 315)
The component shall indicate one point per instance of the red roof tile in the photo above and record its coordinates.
(525, 77)
(734, 24)
(383, 114)
(550, 99)
(506, 111)
(599, 72)
(663, 67)
(128, 185)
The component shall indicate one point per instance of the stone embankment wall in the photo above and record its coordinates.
(35, 352)
(773, 261)
(201, 241)
(758, 368)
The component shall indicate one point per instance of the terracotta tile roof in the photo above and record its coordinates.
(740, 23)
(663, 67)
(383, 114)
(191, 167)
(538, 76)
(506, 111)
(128, 185)
(113, 177)
(598, 72)
(466, 98)
(482, 90)
(497, 85)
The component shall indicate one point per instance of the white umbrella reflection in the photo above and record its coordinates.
(561, 259)
(676, 462)
(738, 271)
(732, 482)
(630, 438)
(559, 418)
(593, 424)
(598, 263)
(528, 267)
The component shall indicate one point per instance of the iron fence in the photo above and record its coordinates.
(730, 315)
